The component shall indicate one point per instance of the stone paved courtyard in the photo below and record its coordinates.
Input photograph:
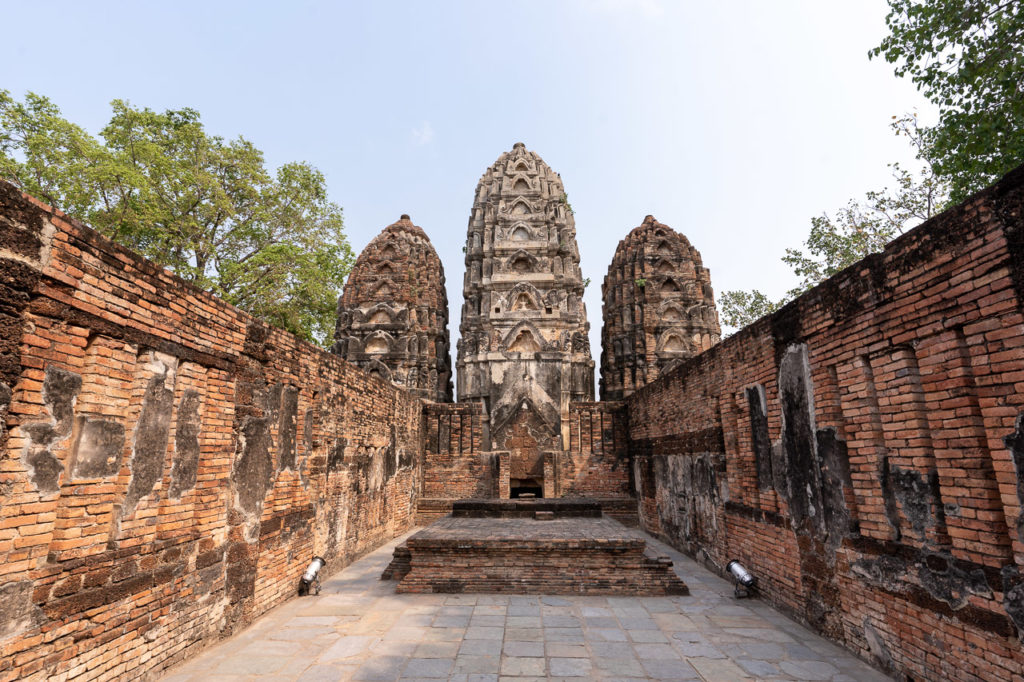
(359, 629)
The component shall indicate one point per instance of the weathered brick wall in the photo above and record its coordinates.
(596, 464)
(454, 465)
(168, 464)
(862, 450)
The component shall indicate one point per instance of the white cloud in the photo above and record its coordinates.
(423, 134)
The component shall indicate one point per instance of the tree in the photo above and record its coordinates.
(207, 208)
(967, 57)
(850, 234)
(740, 308)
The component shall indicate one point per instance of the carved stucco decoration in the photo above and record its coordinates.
(522, 295)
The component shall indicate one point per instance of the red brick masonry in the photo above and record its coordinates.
(168, 464)
(567, 555)
(861, 451)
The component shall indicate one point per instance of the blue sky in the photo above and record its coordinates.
(733, 122)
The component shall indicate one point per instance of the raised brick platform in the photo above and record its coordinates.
(622, 509)
(526, 508)
(522, 555)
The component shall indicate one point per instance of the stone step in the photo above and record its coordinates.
(399, 566)
(623, 510)
(574, 555)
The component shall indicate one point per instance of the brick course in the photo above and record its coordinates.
(861, 451)
(168, 464)
(596, 465)
(566, 553)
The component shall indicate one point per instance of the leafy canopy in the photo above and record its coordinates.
(856, 230)
(967, 57)
(207, 208)
(740, 308)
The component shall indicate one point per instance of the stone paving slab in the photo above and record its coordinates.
(358, 628)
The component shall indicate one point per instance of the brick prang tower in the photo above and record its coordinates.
(524, 351)
(659, 309)
(393, 313)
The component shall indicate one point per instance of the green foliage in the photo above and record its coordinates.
(850, 234)
(968, 59)
(565, 202)
(207, 208)
(60, 163)
(864, 227)
(740, 308)
(641, 282)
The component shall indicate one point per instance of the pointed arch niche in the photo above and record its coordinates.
(674, 341)
(523, 301)
(522, 262)
(520, 208)
(524, 342)
(524, 338)
(520, 234)
(672, 314)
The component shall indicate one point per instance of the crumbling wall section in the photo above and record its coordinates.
(596, 464)
(861, 450)
(168, 464)
(455, 465)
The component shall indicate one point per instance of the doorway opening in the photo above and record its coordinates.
(525, 488)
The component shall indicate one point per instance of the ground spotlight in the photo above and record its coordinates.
(311, 578)
(745, 581)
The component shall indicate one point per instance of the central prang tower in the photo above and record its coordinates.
(524, 352)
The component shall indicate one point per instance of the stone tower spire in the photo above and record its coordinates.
(393, 312)
(659, 309)
(524, 351)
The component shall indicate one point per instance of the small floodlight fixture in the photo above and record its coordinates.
(745, 581)
(311, 578)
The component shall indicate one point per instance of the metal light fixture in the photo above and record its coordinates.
(745, 581)
(311, 578)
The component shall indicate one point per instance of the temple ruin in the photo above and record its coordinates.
(524, 353)
(393, 313)
(169, 464)
(659, 309)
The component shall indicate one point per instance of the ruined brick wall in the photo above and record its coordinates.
(596, 464)
(862, 450)
(168, 464)
(454, 464)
